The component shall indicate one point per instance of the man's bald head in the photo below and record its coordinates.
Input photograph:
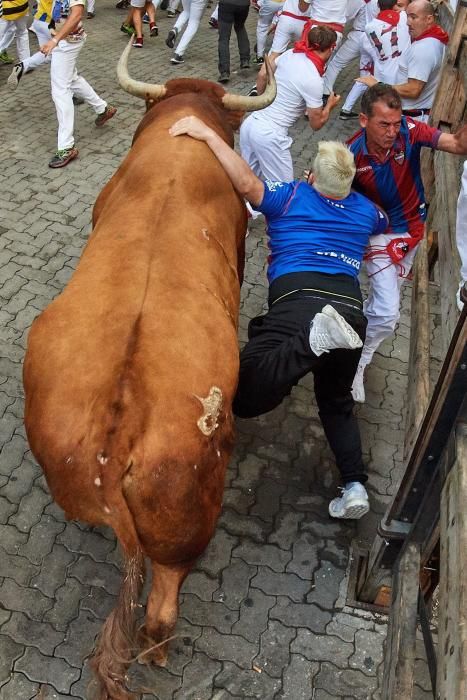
(420, 17)
(422, 6)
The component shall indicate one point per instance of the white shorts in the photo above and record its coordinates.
(138, 3)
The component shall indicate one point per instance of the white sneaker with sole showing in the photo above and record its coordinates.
(353, 503)
(358, 387)
(330, 331)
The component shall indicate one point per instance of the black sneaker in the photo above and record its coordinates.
(90, 15)
(345, 116)
(176, 58)
(224, 78)
(171, 37)
(63, 157)
(253, 92)
(15, 76)
(171, 14)
(244, 65)
(258, 60)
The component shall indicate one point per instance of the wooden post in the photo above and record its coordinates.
(399, 657)
(419, 356)
(452, 623)
(447, 168)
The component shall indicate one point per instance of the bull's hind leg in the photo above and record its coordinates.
(161, 612)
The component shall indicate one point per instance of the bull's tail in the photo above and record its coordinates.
(116, 644)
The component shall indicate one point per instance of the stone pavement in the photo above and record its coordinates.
(264, 614)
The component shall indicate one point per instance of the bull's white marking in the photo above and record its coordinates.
(205, 233)
(106, 509)
(195, 466)
(212, 406)
(68, 460)
(218, 453)
(97, 481)
(101, 458)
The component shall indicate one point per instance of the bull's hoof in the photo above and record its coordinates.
(152, 651)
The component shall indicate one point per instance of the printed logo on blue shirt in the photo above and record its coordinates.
(273, 186)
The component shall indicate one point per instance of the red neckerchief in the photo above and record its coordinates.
(392, 17)
(302, 47)
(434, 32)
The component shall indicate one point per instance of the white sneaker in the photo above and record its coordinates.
(459, 302)
(353, 503)
(330, 331)
(358, 387)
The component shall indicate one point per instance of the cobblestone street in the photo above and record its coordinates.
(264, 613)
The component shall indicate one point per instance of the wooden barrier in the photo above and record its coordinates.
(425, 526)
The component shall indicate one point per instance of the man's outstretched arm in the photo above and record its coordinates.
(454, 143)
(242, 177)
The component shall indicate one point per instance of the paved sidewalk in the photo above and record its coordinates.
(264, 614)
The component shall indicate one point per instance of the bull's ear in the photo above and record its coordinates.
(234, 118)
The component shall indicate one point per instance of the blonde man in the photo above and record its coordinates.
(318, 232)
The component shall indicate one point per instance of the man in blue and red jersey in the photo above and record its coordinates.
(387, 156)
(315, 323)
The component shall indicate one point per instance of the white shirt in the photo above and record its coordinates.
(292, 6)
(356, 13)
(386, 46)
(329, 11)
(299, 86)
(372, 9)
(422, 61)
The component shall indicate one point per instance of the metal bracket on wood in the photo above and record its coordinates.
(394, 529)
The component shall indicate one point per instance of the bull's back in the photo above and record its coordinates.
(130, 372)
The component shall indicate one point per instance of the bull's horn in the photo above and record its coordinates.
(244, 103)
(135, 87)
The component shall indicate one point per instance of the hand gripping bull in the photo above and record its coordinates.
(130, 373)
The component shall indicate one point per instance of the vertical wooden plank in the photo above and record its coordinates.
(452, 623)
(399, 657)
(447, 169)
(419, 356)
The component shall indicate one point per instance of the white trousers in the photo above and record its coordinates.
(347, 52)
(461, 224)
(266, 149)
(383, 303)
(366, 68)
(191, 16)
(65, 83)
(43, 34)
(288, 29)
(9, 29)
(267, 10)
(91, 5)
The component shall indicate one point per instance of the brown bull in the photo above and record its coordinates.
(130, 373)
